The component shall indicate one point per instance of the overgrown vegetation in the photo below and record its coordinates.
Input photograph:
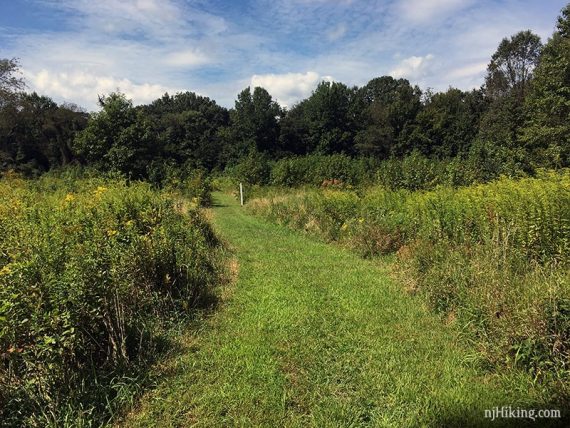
(492, 257)
(469, 189)
(92, 271)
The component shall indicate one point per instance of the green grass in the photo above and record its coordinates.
(313, 335)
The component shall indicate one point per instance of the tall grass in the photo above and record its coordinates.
(91, 272)
(493, 257)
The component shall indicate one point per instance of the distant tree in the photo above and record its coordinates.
(10, 82)
(117, 138)
(36, 133)
(546, 131)
(385, 107)
(186, 130)
(256, 120)
(294, 135)
(326, 122)
(508, 81)
(448, 124)
(511, 67)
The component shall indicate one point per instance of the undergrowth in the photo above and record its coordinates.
(92, 274)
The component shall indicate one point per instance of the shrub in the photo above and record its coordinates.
(315, 169)
(252, 169)
(90, 271)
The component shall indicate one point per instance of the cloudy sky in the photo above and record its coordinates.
(73, 50)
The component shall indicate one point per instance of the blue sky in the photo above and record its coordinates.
(73, 50)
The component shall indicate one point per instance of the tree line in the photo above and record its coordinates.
(516, 122)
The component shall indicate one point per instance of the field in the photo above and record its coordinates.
(111, 310)
(312, 335)
(402, 258)
(491, 258)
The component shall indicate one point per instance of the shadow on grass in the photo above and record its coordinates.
(504, 416)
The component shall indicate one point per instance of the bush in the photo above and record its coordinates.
(253, 169)
(90, 272)
(316, 169)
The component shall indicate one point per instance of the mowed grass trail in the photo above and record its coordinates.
(312, 335)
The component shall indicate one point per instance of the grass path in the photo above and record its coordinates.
(312, 335)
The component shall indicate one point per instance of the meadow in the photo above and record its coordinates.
(94, 274)
(491, 258)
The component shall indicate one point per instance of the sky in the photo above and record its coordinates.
(75, 50)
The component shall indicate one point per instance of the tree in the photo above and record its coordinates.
(325, 122)
(256, 120)
(117, 138)
(385, 107)
(186, 130)
(294, 133)
(10, 83)
(512, 65)
(508, 81)
(546, 131)
(36, 133)
(448, 124)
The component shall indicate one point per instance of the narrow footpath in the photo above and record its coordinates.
(310, 335)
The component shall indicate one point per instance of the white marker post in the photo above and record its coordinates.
(241, 194)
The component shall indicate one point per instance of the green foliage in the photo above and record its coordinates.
(447, 125)
(389, 106)
(116, 138)
(10, 81)
(36, 134)
(253, 169)
(255, 119)
(324, 123)
(322, 170)
(492, 256)
(511, 67)
(546, 131)
(90, 272)
(186, 129)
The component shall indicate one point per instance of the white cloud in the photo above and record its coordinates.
(289, 88)
(421, 11)
(148, 46)
(83, 88)
(188, 58)
(414, 67)
(469, 70)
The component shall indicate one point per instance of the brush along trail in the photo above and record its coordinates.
(312, 335)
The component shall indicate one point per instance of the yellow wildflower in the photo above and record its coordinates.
(100, 190)
(69, 197)
(5, 270)
(112, 232)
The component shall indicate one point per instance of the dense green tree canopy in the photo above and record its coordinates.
(256, 119)
(517, 121)
(385, 108)
(547, 128)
